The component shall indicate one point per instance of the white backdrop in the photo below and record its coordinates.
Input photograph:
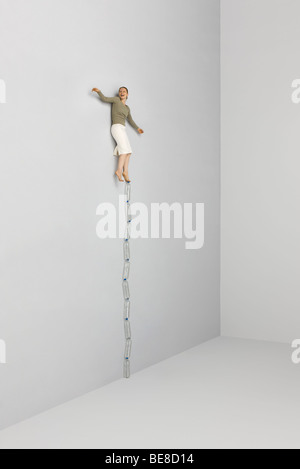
(61, 296)
(260, 165)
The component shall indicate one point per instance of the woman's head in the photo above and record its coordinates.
(123, 92)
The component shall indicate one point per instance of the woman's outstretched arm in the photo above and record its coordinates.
(104, 98)
(131, 121)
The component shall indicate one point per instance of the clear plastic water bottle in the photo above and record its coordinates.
(126, 292)
(126, 251)
(127, 192)
(126, 368)
(127, 233)
(128, 213)
(126, 270)
(127, 329)
(126, 309)
(127, 348)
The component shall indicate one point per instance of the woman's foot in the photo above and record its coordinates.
(125, 175)
(118, 173)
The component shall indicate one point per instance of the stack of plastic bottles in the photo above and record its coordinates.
(126, 292)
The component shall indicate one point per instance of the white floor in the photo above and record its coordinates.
(226, 393)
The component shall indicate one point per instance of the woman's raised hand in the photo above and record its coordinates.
(140, 131)
(95, 89)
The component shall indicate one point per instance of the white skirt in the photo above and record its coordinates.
(118, 132)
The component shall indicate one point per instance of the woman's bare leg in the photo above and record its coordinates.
(126, 163)
(121, 162)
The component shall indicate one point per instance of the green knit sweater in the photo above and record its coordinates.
(120, 111)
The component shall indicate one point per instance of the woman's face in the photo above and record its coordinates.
(123, 93)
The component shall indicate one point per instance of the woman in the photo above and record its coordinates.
(120, 111)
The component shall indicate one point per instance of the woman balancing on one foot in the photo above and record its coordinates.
(120, 111)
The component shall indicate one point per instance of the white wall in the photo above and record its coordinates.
(260, 191)
(61, 297)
